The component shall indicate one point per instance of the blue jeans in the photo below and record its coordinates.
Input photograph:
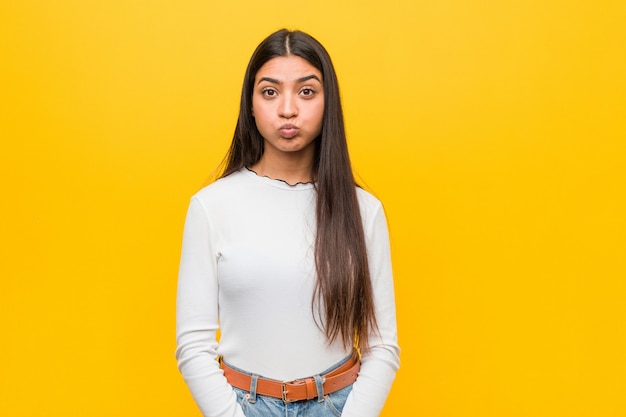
(327, 405)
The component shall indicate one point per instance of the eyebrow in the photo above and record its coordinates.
(298, 81)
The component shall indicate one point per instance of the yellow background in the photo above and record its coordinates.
(492, 130)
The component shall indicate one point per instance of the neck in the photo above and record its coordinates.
(291, 168)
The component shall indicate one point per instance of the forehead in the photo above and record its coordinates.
(287, 68)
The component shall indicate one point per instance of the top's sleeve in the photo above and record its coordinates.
(197, 319)
(380, 363)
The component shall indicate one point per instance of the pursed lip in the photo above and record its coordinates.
(288, 130)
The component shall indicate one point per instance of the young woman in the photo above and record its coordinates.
(287, 257)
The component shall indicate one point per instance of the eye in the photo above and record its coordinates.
(269, 92)
(307, 92)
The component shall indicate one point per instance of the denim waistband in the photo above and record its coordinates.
(319, 379)
(332, 368)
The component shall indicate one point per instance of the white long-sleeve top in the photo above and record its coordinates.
(247, 268)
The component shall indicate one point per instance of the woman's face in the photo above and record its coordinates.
(288, 105)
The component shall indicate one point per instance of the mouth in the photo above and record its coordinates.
(288, 131)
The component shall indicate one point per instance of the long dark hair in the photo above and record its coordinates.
(343, 290)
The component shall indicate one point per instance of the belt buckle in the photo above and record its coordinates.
(283, 389)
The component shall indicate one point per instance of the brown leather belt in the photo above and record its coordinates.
(299, 389)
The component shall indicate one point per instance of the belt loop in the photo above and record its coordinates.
(253, 383)
(319, 384)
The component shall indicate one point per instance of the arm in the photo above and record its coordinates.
(197, 319)
(380, 363)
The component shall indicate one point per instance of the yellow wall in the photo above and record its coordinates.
(493, 131)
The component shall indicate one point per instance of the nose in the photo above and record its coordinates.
(288, 107)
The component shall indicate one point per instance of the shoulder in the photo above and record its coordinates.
(371, 208)
(367, 201)
(221, 189)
